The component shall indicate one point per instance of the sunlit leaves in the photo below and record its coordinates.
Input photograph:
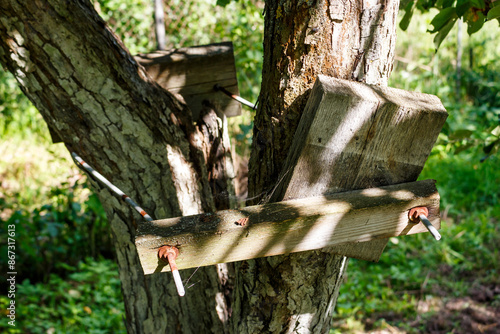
(474, 12)
(441, 20)
(443, 25)
(494, 12)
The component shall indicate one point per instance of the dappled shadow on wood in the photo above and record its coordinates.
(192, 73)
(351, 135)
(290, 226)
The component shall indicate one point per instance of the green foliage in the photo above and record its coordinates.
(23, 124)
(87, 301)
(470, 96)
(63, 232)
(473, 12)
(131, 20)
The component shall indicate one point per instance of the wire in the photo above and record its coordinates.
(111, 186)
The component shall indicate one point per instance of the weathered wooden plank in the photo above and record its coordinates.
(287, 227)
(192, 72)
(354, 136)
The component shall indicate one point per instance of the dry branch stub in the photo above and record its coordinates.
(287, 227)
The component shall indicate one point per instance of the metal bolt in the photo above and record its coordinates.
(420, 214)
(235, 97)
(171, 253)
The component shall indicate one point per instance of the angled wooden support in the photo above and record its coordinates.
(354, 136)
(287, 227)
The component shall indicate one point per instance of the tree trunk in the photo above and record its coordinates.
(351, 40)
(104, 107)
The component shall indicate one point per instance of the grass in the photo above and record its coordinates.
(416, 269)
(88, 300)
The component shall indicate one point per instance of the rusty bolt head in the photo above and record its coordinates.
(164, 252)
(414, 213)
(170, 253)
(242, 221)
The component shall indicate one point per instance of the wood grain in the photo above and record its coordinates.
(353, 136)
(192, 72)
(287, 227)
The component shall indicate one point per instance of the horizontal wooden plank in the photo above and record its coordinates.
(192, 72)
(287, 227)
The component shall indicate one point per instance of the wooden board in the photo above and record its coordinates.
(354, 136)
(192, 72)
(286, 227)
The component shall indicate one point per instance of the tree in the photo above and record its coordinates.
(96, 98)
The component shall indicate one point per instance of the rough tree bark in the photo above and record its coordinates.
(104, 107)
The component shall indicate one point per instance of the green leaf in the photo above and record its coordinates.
(461, 134)
(405, 21)
(441, 35)
(494, 13)
(463, 6)
(443, 18)
(476, 25)
(223, 3)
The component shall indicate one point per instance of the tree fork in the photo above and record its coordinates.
(96, 98)
(94, 95)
